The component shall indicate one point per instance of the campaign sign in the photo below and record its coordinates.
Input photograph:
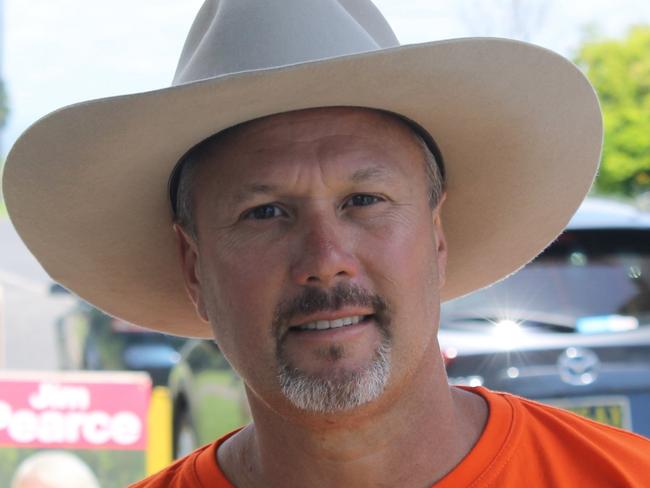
(101, 418)
(74, 411)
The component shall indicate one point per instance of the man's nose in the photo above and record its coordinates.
(324, 254)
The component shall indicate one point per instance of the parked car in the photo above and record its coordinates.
(90, 339)
(572, 328)
(207, 396)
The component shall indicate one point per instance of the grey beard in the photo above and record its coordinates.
(340, 392)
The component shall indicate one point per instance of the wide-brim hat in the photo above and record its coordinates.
(519, 128)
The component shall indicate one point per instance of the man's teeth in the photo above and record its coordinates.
(331, 324)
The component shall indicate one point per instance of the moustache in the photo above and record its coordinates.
(313, 300)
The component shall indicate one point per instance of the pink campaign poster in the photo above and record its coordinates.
(99, 419)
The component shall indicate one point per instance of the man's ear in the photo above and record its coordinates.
(440, 241)
(189, 255)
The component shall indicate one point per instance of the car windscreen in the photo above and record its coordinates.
(589, 281)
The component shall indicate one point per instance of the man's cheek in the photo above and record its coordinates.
(248, 302)
(408, 254)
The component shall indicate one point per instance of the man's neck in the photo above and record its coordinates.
(413, 440)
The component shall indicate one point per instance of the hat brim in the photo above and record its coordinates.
(519, 128)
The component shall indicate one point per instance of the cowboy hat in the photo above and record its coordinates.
(519, 128)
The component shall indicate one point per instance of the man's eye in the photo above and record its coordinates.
(362, 200)
(264, 212)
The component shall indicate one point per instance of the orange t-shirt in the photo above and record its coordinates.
(524, 443)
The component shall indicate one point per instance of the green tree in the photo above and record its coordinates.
(620, 71)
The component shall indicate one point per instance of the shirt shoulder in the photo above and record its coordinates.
(199, 469)
(564, 448)
(560, 422)
(179, 474)
(531, 444)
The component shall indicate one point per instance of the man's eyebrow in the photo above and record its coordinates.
(371, 173)
(251, 190)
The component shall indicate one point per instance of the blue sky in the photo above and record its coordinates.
(58, 52)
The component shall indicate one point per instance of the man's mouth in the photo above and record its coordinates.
(331, 324)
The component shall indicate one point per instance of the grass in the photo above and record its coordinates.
(3, 210)
(220, 404)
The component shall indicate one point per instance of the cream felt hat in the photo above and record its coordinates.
(519, 128)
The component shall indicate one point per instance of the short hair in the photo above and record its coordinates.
(181, 181)
(58, 469)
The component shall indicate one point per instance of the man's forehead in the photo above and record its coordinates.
(347, 139)
(347, 134)
(302, 125)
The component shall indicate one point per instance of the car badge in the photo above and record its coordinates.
(578, 366)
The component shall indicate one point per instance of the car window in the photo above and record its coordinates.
(587, 281)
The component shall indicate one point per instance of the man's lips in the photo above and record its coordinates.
(322, 322)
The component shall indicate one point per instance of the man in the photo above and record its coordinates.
(319, 226)
(54, 469)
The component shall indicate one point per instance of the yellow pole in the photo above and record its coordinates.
(159, 442)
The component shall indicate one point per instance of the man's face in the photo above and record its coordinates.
(318, 260)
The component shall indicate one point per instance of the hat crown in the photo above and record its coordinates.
(230, 36)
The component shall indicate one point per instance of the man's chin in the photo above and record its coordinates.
(338, 387)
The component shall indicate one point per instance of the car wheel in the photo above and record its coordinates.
(185, 438)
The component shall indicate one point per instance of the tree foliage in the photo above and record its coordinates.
(620, 71)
